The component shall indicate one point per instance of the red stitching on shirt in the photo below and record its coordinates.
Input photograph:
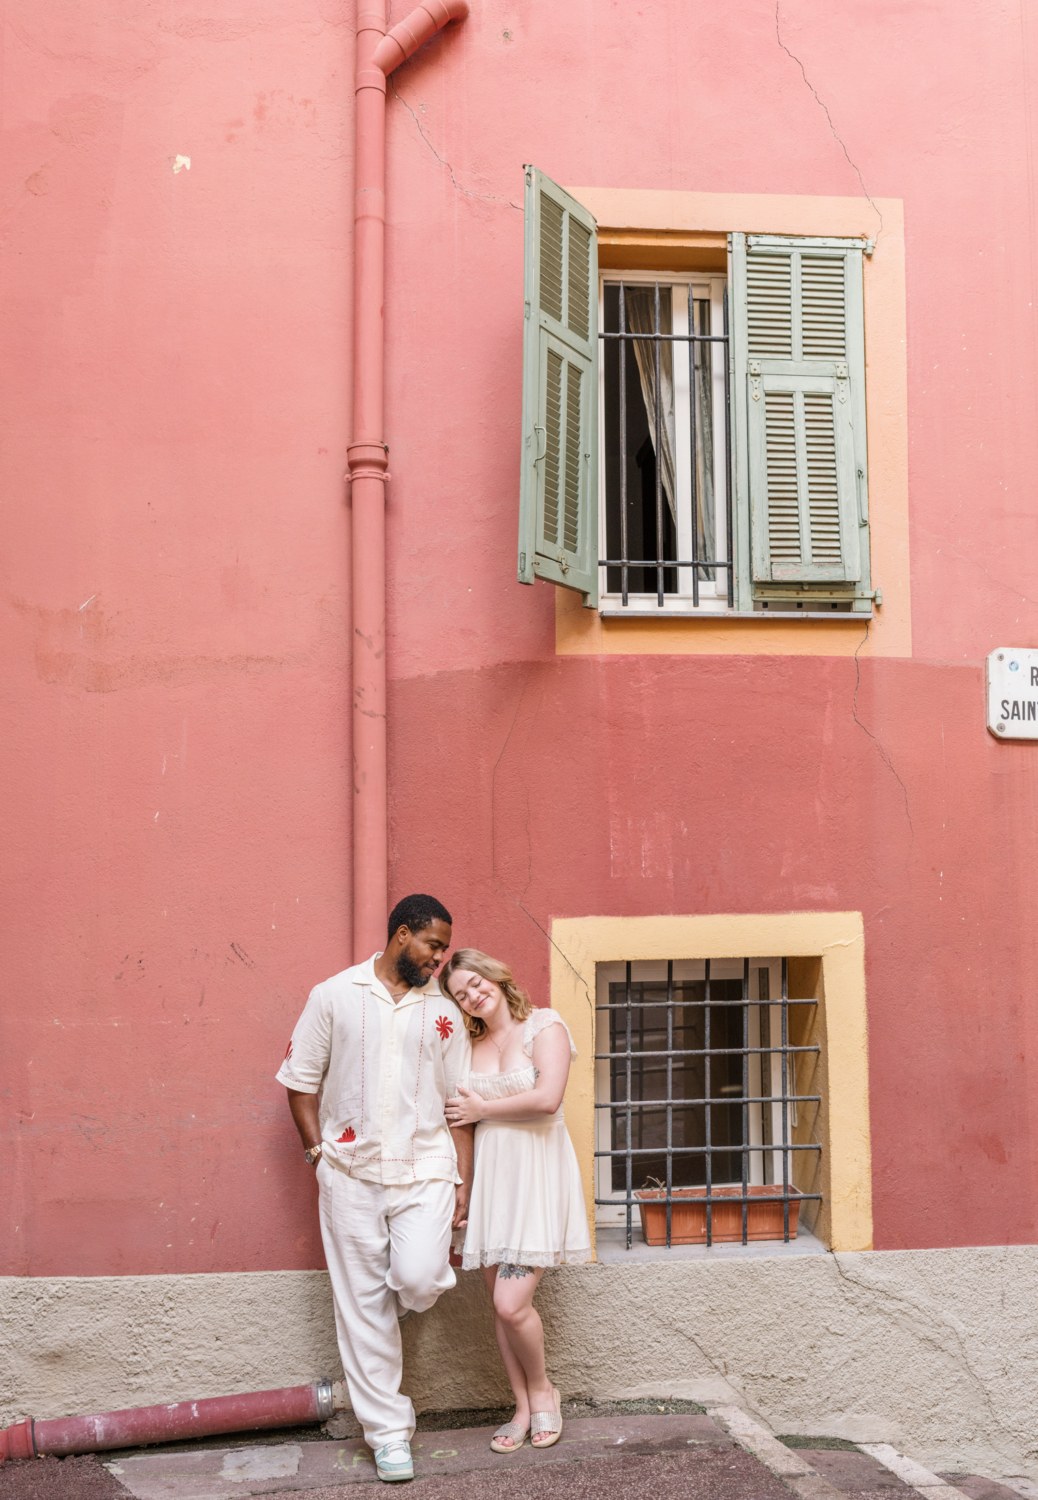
(433, 1156)
(418, 1080)
(363, 1060)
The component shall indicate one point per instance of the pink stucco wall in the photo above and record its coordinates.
(175, 691)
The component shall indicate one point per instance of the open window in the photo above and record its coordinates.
(693, 442)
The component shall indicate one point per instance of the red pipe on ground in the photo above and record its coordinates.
(377, 56)
(290, 1407)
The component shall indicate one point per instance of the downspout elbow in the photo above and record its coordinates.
(405, 38)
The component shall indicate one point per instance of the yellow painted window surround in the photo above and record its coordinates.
(827, 961)
(648, 230)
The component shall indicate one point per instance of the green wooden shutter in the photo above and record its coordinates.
(799, 389)
(558, 494)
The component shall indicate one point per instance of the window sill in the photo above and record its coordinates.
(611, 1248)
(610, 611)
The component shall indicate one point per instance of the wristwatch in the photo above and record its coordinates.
(312, 1153)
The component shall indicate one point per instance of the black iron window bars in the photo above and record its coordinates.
(714, 1128)
(660, 563)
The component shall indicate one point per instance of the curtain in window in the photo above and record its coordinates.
(703, 458)
(640, 307)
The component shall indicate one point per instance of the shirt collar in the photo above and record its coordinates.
(365, 974)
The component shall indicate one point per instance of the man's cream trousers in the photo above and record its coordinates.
(382, 1244)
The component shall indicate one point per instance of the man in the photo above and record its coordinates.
(384, 1049)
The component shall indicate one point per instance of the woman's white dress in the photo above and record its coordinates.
(527, 1205)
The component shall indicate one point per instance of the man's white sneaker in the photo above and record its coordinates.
(393, 1461)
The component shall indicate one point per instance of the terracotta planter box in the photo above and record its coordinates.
(688, 1215)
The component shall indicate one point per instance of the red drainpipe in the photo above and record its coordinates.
(290, 1407)
(377, 56)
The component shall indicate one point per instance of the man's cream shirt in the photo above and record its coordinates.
(384, 1071)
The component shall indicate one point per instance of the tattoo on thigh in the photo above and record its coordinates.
(506, 1271)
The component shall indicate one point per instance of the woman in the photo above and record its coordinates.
(527, 1206)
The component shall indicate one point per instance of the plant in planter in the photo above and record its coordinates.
(764, 1213)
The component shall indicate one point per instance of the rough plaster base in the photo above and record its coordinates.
(935, 1351)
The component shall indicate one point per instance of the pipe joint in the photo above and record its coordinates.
(408, 35)
(368, 460)
(17, 1441)
(370, 78)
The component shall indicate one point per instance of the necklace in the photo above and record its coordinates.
(500, 1047)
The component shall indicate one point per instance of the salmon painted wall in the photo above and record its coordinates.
(175, 684)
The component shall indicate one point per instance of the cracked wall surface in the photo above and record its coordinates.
(931, 1350)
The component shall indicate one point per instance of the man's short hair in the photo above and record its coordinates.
(416, 912)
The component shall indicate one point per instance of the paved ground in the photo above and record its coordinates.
(636, 1450)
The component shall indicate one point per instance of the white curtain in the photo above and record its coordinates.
(704, 454)
(640, 308)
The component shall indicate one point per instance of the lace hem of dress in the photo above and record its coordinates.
(536, 1258)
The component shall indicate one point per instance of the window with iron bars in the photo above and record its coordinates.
(705, 1109)
(694, 440)
(665, 462)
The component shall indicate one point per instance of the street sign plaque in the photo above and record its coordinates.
(1012, 690)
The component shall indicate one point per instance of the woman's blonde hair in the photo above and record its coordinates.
(519, 1003)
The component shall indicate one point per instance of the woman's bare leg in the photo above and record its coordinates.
(513, 1369)
(515, 1313)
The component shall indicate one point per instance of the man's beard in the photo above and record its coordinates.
(409, 971)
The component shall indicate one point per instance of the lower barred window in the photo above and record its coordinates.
(702, 1133)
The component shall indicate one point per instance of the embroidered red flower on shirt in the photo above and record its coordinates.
(288, 1054)
(349, 1134)
(444, 1025)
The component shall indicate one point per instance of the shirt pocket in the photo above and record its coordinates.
(344, 1123)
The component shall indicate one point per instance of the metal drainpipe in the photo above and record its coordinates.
(377, 56)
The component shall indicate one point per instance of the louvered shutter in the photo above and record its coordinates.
(800, 391)
(558, 498)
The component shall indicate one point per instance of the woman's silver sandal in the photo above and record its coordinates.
(547, 1421)
(514, 1430)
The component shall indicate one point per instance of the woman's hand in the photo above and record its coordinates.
(466, 1108)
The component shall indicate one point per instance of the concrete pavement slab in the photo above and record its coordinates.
(978, 1488)
(789, 1464)
(219, 1474)
(921, 1479)
(700, 1473)
(855, 1473)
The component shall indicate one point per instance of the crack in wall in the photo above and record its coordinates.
(825, 109)
(927, 1319)
(469, 192)
(884, 755)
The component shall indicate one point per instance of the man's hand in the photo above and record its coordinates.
(462, 1137)
(461, 1206)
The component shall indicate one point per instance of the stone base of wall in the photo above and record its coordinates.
(931, 1350)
